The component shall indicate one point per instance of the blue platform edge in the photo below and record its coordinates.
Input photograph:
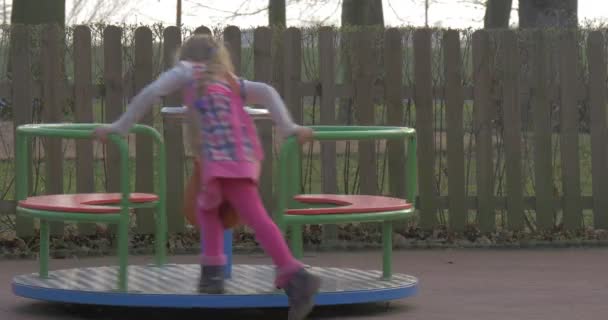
(225, 301)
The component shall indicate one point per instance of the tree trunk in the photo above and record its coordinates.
(352, 13)
(178, 14)
(498, 13)
(548, 13)
(362, 13)
(38, 12)
(276, 13)
(375, 13)
(33, 12)
(355, 13)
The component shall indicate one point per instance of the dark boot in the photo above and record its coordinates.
(301, 290)
(212, 280)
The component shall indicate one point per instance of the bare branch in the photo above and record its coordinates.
(334, 12)
(311, 5)
(390, 5)
(233, 14)
(5, 11)
(88, 11)
(247, 8)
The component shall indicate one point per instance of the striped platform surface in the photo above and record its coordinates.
(174, 286)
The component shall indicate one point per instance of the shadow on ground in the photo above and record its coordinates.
(65, 311)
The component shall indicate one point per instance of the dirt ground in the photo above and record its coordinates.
(549, 284)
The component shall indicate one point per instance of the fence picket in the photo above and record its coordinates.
(423, 98)
(599, 132)
(512, 131)
(455, 133)
(112, 47)
(54, 96)
(569, 140)
(483, 131)
(232, 38)
(263, 72)
(293, 73)
(364, 109)
(144, 145)
(203, 30)
(22, 108)
(541, 112)
(83, 109)
(173, 135)
(393, 55)
(328, 117)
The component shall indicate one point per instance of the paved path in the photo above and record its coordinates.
(568, 284)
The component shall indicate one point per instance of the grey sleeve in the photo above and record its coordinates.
(258, 93)
(167, 83)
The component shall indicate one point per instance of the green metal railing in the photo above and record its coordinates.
(290, 178)
(85, 131)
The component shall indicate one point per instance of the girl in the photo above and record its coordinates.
(230, 156)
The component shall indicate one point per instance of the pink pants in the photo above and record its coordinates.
(243, 196)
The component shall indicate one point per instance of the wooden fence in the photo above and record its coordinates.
(369, 86)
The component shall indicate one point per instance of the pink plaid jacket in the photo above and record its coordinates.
(227, 131)
(230, 147)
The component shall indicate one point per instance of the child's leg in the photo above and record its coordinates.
(300, 286)
(213, 258)
(212, 238)
(244, 197)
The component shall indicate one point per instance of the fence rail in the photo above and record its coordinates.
(504, 121)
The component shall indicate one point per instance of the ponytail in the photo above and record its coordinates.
(211, 62)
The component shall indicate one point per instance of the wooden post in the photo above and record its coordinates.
(53, 103)
(83, 109)
(599, 132)
(572, 212)
(486, 216)
(144, 146)
(423, 98)
(173, 135)
(455, 134)
(512, 131)
(22, 103)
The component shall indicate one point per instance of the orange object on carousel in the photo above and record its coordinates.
(228, 215)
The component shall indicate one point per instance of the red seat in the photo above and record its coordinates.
(83, 202)
(348, 204)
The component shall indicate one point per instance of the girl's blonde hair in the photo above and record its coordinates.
(202, 48)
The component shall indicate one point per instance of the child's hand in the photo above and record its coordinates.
(304, 134)
(101, 133)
